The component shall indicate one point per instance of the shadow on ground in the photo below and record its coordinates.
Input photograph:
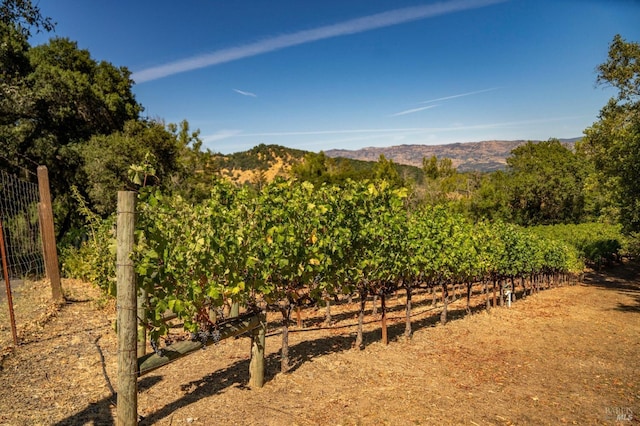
(623, 278)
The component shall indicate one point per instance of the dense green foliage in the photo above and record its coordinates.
(61, 108)
(54, 97)
(152, 150)
(545, 183)
(318, 169)
(613, 142)
(293, 243)
(434, 168)
(596, 243)
(89, 254)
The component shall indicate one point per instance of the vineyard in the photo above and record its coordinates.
(216, 268)
(305, 288)
(358, 262)
(292, 245)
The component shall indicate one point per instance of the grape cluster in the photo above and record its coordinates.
(203, 336)
(155, 345)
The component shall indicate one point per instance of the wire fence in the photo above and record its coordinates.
(21, 227)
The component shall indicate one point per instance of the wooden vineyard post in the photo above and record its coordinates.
(47, 231)
(5, 272)
(256, 366)
(235, 310)
(127, 410)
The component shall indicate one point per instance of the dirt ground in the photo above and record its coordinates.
(568, 355)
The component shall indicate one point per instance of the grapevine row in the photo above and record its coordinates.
(293, 244)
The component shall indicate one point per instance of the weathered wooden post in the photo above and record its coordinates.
(47, 232)
(235, 309)
(127, 410)
(256, 366)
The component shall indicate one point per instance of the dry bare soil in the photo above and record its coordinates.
(569, 355)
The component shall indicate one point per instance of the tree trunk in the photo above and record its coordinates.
(284, 354)
(495, 297)
(327, 312)
(512, 296)
(434, 300)
(383, 318)
(445, 297)
(486, 294)
(374, 308)
(469, 285)
(407, 328)
(363, 301)
(299, 316)
(532, 289)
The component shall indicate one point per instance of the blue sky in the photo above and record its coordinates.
(356, 73)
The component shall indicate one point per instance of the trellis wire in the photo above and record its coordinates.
(19, 215)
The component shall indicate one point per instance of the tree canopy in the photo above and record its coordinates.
(62, 108)
(546, 184)
(23, 15)
(55, 97)
(613, 142)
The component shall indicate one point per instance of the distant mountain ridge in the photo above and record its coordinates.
(263, 163)
(482, 156)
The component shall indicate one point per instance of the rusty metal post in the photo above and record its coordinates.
(5, 270)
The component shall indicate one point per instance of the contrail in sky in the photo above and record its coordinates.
(460, 95)
(224, 134)
(411, 111)
(353, 26)
(242, 92)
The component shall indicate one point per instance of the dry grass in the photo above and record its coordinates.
(564, 356)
